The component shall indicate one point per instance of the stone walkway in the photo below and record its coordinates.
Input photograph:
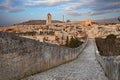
(85, 67)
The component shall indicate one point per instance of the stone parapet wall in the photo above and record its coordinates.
(110, 65)
(22, 57)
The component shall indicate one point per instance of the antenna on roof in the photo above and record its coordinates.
(63, 18)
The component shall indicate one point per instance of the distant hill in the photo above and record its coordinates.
(107, 20)
(37, 22)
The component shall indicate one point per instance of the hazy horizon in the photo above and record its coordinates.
(17, 11)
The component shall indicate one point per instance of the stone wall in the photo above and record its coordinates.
(110, 65)
(22, 57)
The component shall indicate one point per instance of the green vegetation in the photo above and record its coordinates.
(41, 33)
(119, 19)
(47, 33)
(50, 33)
(110, 46)
(68, 20)
(31, 33)
(73, 43)
(111, 36)
(118, 50)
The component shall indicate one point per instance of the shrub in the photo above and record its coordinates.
(41, 33)
(50, 33)
(68, 20)
(118, 51)
(109, 46)
(31, 33)
(111, 36)
(73, 43)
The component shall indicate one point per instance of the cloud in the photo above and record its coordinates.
(79, 4)
(93, 7)
(73, 7)
(12, 5)
(76, 13)
(105, 11)
(46, 2)
(18, 5)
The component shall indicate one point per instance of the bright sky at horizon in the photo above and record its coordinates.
(16, 11)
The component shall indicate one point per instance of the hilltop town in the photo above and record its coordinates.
(26, 51)
(57, 32)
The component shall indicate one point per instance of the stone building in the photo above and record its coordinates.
(88, 22)
(48, 19)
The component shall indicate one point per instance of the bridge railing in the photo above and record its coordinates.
(110, 65)
(22, 57)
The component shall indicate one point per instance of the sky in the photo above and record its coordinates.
(17, 11)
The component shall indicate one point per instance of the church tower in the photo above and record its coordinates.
(48, 19)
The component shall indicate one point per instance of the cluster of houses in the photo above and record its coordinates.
(58, 33)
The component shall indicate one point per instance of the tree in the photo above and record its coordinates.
(73, 43)
(119, 19)
(67, 42)
(68, 20)
(111, 36)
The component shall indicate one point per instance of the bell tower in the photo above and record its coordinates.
(48, 19)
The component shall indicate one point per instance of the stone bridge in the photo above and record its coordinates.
(85, 67)
(22, 57)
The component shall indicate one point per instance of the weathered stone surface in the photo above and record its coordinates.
(118, 58)
(48, 19)
(85, 67)
(110, 65)
(21, 57)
